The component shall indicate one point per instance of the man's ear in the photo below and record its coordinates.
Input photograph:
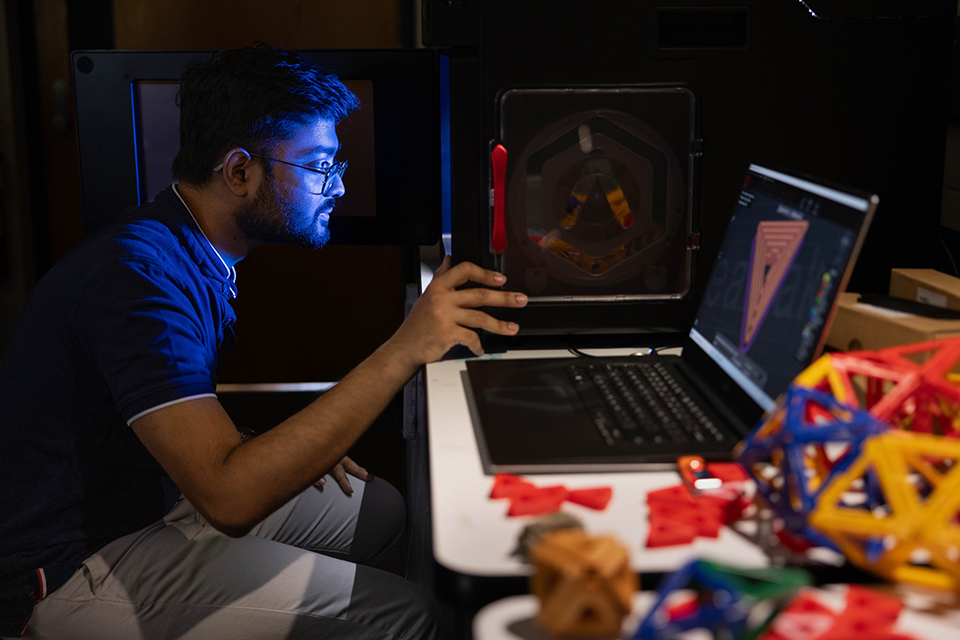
(238, 172)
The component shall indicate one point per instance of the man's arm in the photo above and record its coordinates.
(235, 486)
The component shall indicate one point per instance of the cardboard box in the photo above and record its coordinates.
(863, 326)
(926, 285)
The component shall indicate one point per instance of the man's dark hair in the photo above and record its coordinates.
(253, 98)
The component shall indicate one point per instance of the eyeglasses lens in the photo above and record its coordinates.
(336, 170)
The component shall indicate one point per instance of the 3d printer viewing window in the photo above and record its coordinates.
(598, 197)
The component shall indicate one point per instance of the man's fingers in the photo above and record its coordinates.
(444, 267)
(339, 474)
(446, 315)
(341, 477)
(468, 272)
(479, 320)
(470, 340)
(489, 298)
(355, 470)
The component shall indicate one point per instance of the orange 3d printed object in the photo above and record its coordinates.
(585, 584)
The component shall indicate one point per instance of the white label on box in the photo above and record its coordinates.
(929, 297)
(882, 311)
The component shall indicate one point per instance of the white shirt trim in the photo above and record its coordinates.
(231, 271)
(168, 404)
(280, 387)
(43, 582)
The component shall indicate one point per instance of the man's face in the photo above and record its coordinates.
(283, 212)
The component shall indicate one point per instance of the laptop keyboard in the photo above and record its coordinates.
(641, 403)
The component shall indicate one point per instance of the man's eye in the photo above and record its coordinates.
(320, 165)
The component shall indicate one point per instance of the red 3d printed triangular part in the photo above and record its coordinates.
(595, 498)
(775, 247)
(537, 501)
(527, 499)
(506, 485)
(668, 533)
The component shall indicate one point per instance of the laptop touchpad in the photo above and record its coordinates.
(535, 400)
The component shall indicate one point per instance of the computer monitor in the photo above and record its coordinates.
(128, 128)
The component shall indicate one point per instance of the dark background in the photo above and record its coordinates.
(857, 95)
(311, 316)
(305, 316)
(843, 82)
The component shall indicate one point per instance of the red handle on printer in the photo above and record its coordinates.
(498, 160)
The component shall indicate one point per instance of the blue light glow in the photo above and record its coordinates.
(136, 135)
(445, 184)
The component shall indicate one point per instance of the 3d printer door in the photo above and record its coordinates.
(597, 199)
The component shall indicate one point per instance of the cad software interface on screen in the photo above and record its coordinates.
(775, 279)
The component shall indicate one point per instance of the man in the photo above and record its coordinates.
(108, 408)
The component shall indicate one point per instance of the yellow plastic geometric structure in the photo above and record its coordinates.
(894, 510)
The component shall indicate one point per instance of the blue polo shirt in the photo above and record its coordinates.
(136, 318)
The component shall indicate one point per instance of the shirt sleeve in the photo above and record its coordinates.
(148, 333)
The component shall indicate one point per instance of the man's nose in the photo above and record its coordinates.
(336, 187)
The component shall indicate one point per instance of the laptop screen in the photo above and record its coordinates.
(786, 256)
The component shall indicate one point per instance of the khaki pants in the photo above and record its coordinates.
(293, 576)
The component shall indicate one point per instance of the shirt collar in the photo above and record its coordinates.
(231, 272)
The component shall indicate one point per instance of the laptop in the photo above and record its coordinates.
(764, 317)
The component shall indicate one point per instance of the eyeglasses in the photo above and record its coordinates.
(312, 181)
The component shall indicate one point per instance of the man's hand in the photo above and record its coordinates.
(339, 473)
(236, 486)
(444, 316)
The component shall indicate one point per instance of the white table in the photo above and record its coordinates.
(513, 619)
(926, 616)
(472, 534)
